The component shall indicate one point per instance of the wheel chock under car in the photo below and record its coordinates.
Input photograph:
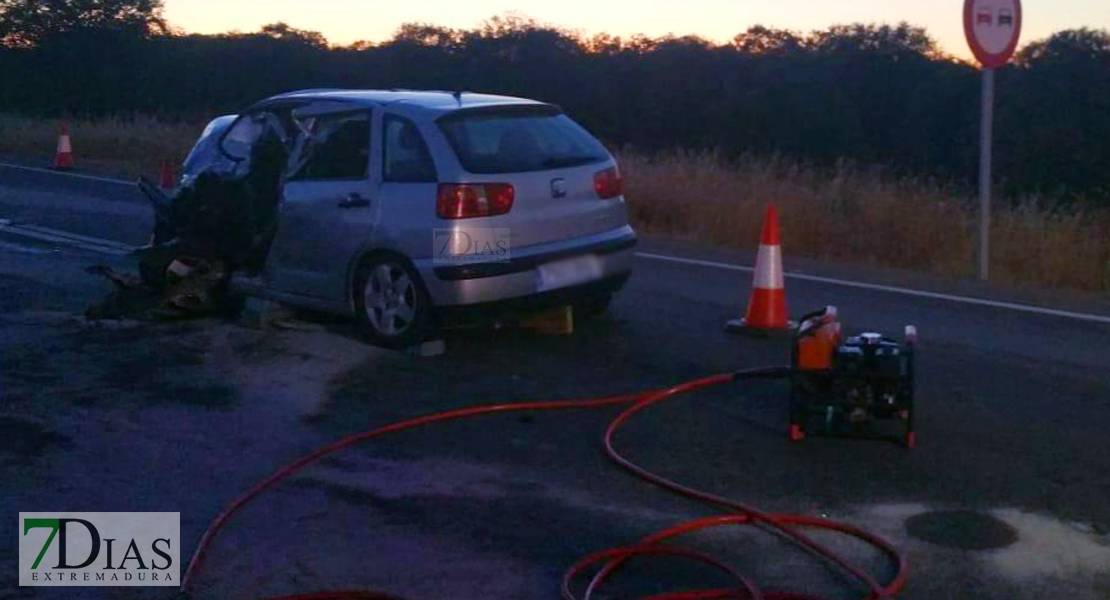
(559, 321)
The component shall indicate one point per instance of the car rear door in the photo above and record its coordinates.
(328, 209)
(407, 196)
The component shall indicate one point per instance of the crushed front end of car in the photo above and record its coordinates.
(220, 220)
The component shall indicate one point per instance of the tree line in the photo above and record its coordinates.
(870, 94)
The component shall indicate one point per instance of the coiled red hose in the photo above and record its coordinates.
(611, 560)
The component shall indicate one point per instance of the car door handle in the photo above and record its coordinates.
(353, 201)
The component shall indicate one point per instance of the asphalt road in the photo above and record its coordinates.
(1014, 407)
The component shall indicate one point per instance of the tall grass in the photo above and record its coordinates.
(864, 216)
(846, 214)
(127, 146)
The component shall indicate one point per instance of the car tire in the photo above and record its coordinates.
(394, 310)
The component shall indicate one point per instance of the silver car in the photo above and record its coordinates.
(404, 208)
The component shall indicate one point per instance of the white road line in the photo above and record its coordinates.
(79, 238)
(67, 174)
(890, 289)
(21, 248)
(119, 249)
(85, 243)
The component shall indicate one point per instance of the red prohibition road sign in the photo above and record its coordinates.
(992, 28)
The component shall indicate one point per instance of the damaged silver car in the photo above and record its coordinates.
(401, 208)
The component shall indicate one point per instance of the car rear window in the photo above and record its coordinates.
(515, 140)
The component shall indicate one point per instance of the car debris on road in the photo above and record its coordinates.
(191, 288)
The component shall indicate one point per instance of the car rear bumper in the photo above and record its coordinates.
(526, 305)
(519, 278)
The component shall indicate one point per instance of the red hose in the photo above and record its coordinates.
(779, 523)
(611, 560)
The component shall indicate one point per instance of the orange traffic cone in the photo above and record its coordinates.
(767, 304)
(165, 177)
(63, 159)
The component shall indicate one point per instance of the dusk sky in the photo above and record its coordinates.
(346, 21)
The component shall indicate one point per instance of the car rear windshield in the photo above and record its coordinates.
(519, 139)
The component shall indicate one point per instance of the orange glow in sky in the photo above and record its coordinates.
(346, 21)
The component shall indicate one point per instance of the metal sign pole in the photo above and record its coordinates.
(986, 136)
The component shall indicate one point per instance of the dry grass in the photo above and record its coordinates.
(125, 146)
(848, 215)
(863, 217)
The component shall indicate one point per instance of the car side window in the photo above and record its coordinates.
(338, 148)
(405, 158)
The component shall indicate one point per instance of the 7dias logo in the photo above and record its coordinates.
(99, 549)
(478, 244)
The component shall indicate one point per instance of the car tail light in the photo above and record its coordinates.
(469, 200)
(608, 183)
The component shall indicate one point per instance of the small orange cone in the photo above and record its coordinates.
(165, 177)
(63, 158)
(767, 304)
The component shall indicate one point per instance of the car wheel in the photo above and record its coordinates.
(393, 306)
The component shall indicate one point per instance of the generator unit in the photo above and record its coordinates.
(860, 386)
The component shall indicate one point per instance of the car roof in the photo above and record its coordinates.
(429, 102)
